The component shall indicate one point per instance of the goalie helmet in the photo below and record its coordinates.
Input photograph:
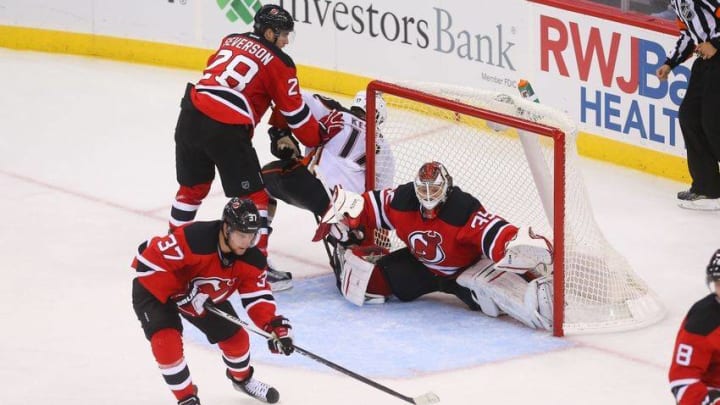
(274, 17)
(360, 102)
(241, 215)
(432, 187)
(713, 268)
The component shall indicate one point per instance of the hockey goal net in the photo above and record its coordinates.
(525, 169)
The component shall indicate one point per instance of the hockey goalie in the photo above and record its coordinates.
(452, 245)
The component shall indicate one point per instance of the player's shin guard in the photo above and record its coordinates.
(187, 201)
(167, 347)
(236, 354)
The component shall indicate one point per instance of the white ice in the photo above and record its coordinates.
(87, 172)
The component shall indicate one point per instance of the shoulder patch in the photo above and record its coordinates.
(704, 317)
(254, 257)
(404, 198)
(459, 207)
(202, 237)
(285, 58)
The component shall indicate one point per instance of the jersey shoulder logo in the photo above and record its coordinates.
(427, 246)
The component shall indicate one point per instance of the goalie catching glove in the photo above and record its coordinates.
(282, 144)
(525, 252)
(280, 340)
(342, 219)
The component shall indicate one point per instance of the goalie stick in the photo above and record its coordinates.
(425, 399)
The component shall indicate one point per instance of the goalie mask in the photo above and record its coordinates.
(713, 270)
(432, 186)
(360, 102)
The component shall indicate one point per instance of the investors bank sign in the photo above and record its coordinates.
(447, 34)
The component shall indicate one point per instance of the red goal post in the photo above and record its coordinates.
(416, 112)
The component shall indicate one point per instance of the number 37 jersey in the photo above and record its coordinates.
(243, 77)
(170, 266)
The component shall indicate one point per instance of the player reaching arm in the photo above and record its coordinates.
(201, 262)
(695, 370)
(452, 245)
(300, 181)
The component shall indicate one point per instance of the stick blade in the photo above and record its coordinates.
(427, 399)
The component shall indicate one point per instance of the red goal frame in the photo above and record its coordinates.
(556, 134)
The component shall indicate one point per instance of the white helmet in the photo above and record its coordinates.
(432, 186)
(380, 106)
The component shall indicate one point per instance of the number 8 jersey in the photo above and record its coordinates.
(243, 77)
(695, 371)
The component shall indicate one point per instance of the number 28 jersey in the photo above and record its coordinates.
(243, 77)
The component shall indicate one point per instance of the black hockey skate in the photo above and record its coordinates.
(255, 388)
(279, 280)
(191, 400)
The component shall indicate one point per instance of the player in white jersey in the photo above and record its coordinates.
(305, 182)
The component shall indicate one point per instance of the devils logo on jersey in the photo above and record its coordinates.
(217, 288)
(426, 246)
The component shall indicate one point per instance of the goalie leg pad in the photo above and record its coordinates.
(355, 276)
(529, 303)
(539, 298)
(474, 276)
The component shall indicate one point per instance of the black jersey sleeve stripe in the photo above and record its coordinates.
(247, 302)
(295, 118)
(490, 235)
(143, 268)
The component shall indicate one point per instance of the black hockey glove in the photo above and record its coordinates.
(280, 340)
(283, 144)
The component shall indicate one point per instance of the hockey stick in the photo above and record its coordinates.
(326, 244)
(425, 399)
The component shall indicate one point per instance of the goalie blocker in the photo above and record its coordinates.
(519, 284)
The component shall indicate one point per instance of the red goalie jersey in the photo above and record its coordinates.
(169, 266)
(695, 370)
(459, 236)
(243, 76)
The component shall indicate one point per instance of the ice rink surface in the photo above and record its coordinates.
(87, 173)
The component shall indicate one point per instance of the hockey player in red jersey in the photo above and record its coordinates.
(198, 263)
(219, 113)
(695, 370)
(453, 245)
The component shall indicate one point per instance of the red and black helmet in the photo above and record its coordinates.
(274, 17)
(241, 215)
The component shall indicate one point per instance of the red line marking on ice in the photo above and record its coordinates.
(144, 213)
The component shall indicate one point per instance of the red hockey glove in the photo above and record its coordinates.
(192, 303)
(281, 340)
(330, 125)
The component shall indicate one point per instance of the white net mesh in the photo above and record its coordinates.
(602, 293)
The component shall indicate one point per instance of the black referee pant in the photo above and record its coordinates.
(700, 124)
